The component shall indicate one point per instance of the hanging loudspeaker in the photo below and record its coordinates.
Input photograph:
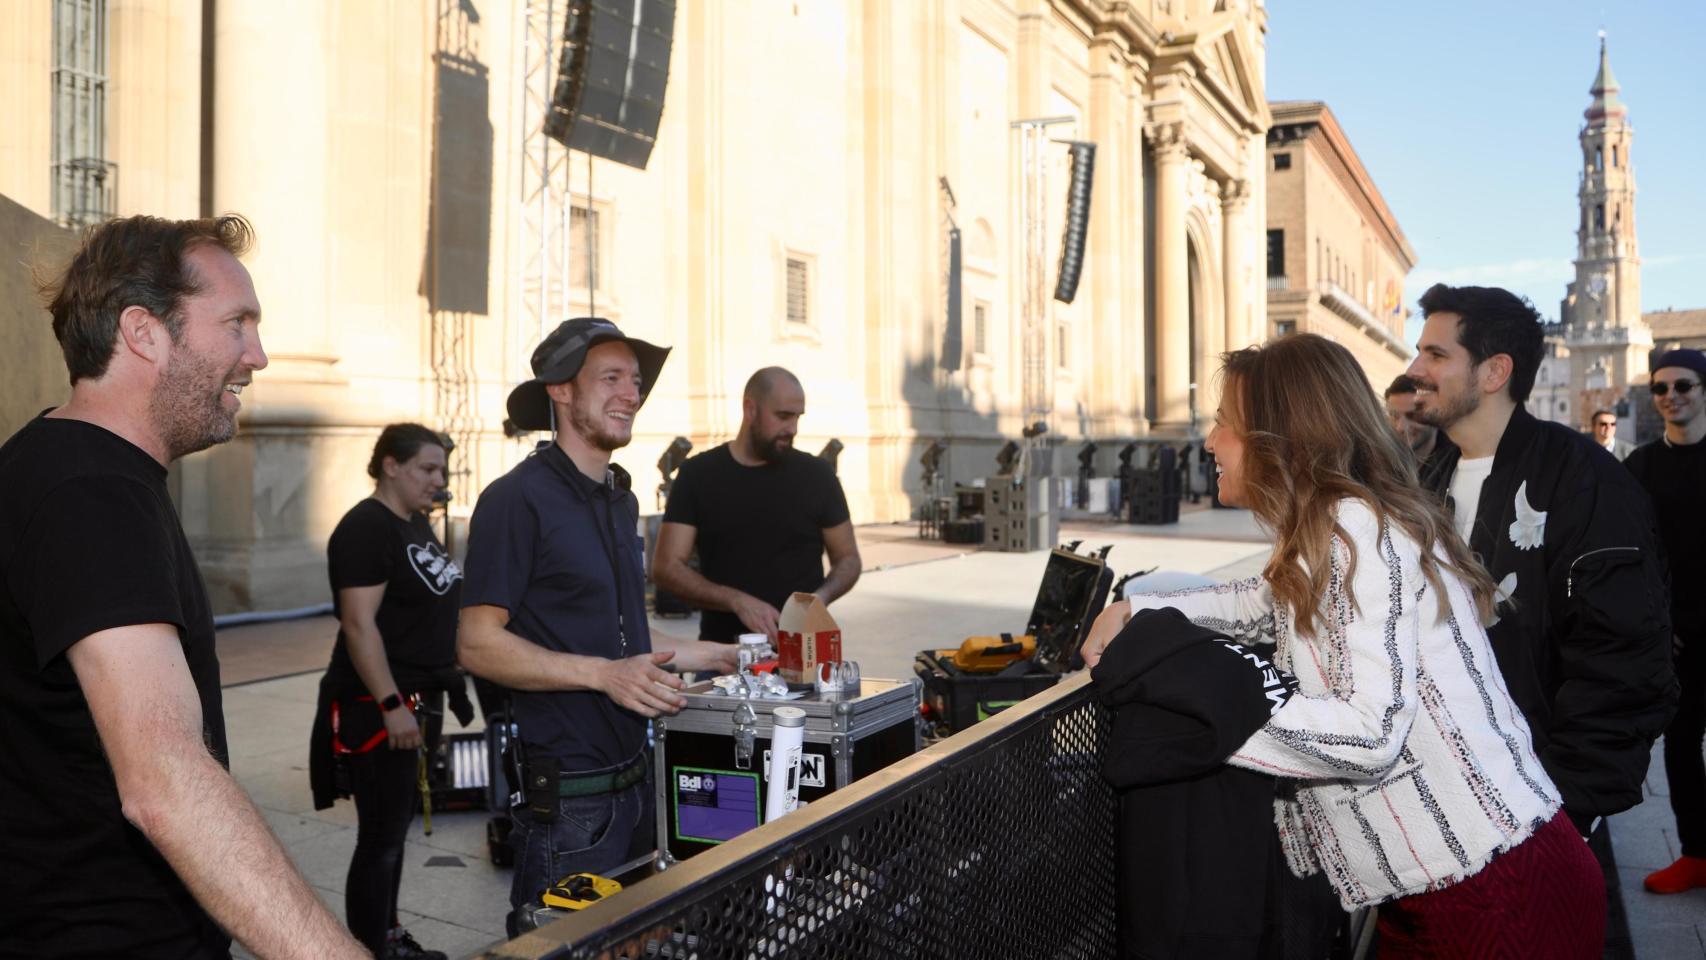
(952, 346)
(1077, 220)
(608, 99)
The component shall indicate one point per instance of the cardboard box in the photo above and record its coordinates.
(806, 636)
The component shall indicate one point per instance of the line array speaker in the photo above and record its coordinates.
(608, 99)
(1077, 219)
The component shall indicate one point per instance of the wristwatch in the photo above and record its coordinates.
(390, 703)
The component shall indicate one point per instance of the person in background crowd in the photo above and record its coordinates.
(762, 515)
(1421, 438)
(1605, 434)
(395, 593)
(123, 833)
(1414, 782)
(1583, 627)
(1672, 469)
(554, 608)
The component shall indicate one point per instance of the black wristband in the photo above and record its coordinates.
(390, 703)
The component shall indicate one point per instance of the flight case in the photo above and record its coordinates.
(1073, 591)
(711, 758)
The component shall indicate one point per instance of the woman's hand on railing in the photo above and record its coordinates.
(1107, 626)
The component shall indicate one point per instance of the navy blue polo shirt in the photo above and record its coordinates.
(547, 543)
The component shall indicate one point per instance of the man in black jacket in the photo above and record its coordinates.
(1582, 628)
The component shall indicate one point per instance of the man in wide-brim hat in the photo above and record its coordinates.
(554, 608)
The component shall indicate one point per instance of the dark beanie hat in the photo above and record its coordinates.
(1687, 359)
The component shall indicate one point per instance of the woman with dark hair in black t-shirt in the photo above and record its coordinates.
(395, 592)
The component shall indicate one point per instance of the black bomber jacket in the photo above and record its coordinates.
(1582, 630)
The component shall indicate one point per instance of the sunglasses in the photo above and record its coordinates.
(1682, 387)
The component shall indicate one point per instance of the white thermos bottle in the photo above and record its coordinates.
(787, 738)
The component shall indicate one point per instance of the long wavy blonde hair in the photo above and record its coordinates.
(1314, 435)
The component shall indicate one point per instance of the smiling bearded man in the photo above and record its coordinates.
(1582, 632)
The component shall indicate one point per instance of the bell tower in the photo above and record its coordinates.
(1607, 339)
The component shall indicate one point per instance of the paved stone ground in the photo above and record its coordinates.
(915, 594)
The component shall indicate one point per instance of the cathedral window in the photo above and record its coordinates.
(1599, 158)
(1614, 154)
(1599, 216)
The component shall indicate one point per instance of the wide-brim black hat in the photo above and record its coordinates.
(559, 357)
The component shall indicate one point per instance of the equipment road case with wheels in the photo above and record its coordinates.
(711, 759)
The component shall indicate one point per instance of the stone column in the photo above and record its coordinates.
(257, 509)
(1234, 227)
(1172, 305)
(270, 88)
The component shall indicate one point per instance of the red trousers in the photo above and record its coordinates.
(1543, 898)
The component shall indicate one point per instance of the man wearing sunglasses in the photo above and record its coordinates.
(1673, 470)
(1605, 434)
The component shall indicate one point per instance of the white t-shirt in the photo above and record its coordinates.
(1466, 491)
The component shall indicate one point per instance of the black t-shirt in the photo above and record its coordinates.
(1675, 477)
(89, 541)
(423, 587)
(759, 529)
(556, 549)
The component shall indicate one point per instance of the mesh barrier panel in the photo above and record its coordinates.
(997, 843)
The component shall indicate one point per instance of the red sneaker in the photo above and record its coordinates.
(1685, 874)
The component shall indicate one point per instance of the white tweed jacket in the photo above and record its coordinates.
(1413, 766)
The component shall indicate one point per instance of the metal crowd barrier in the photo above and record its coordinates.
(998, 842)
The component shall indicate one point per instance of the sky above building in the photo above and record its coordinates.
(1466, 115)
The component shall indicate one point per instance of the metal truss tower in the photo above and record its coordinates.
(543, 242)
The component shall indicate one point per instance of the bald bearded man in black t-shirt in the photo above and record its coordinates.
(762, 515)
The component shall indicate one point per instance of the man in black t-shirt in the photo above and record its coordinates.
(762, 515)
(122, 832)
(1673, 471)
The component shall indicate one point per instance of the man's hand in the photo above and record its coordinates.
(1107, 626)
(721, 657)
(756, 615)
(639, 684)
(402, 729)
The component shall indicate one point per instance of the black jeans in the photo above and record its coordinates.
(1684, 766)
(383, 783)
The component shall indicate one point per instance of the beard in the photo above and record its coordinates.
(187, 406)
(592, 430)
(1442, 413)
(771, 449)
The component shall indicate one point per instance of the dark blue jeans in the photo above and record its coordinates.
(590, 835)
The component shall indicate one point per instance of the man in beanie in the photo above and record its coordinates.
(554, 608)
(1673, 470)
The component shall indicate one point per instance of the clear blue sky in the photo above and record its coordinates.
(1466, 115)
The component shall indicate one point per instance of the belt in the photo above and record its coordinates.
(589, 784)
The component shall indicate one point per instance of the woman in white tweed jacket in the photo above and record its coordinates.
(1417, 783)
